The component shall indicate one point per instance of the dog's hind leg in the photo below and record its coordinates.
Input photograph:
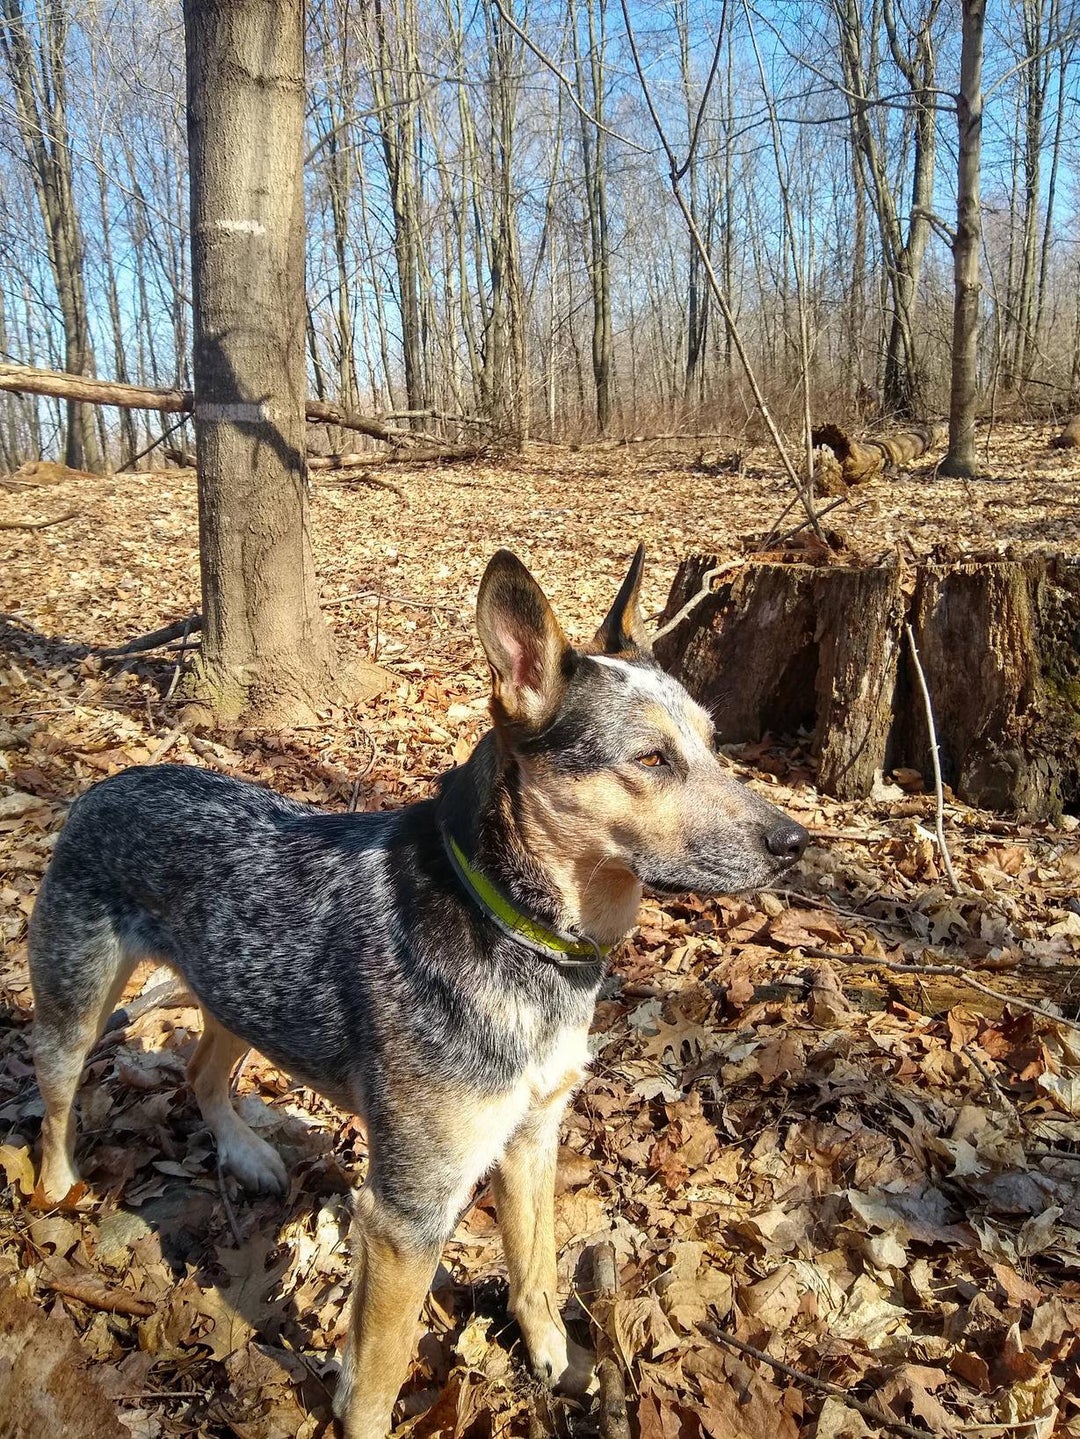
(524, 1187)
(256, 1164)
(78, 969)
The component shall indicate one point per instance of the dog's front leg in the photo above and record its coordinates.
(394, 1270)
(524, 1186)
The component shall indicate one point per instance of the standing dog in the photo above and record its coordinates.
(433, 969)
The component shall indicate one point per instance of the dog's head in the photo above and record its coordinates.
(618, 771)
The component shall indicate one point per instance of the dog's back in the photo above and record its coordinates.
(321, 939)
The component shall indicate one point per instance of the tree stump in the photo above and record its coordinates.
(782, 647)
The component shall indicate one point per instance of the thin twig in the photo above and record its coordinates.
(229, 1213)
(550, 65)
(134, 460)
(390, 599)
(704, 590)
(1003, 1100)
(939, 793)
(805, 493)
(96, 1294)
(868, 1411)
(181, 652)
(38, 524)
(162, 749)
(940, 971)
(614, 1422)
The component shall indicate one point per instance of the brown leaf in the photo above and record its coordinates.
(45, 1388)
(756, 1409)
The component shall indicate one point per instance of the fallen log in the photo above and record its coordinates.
(37, 474)
(781, 648)
(25, 379)
(1069, 439)
(867, 458)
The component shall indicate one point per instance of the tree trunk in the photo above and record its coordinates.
(788, 647)
(40, 90)
(960, 459)
(396, 81)
(267, 655)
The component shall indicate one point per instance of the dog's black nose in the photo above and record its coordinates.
(787, 840)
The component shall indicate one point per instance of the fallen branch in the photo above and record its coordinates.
(162, 748)
(25, 379)
(613, 1420)
(156, 639)
(362, 477)
(37, 524)
(935, 758)
(425, 454)
(184, 458)
(170, 994)
(940, 971)
(134, 459)
(811, 1381)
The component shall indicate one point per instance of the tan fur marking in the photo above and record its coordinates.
(391, 1280)
(256, 1164)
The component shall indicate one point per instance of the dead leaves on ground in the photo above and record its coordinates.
(870, 1177)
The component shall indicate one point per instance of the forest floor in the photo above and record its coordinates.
(871, 1177)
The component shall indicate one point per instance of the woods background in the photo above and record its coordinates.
(478, 245)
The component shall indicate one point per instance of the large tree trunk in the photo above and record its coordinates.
(788, 647)
(960, 459)
(267, 654)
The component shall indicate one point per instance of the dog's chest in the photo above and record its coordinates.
(553, 1073)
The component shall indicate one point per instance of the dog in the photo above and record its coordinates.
(433, 969)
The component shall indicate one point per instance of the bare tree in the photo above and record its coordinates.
(266, 653)
(396, 78)
(910, 43)
(37, 72)
(589, 72)
(960, 459)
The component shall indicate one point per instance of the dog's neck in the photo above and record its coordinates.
(530, 852)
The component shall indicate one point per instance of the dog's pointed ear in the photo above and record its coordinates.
(623, 631)
(524, 643)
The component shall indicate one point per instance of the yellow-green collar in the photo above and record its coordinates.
(562, 949)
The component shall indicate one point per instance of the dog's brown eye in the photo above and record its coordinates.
(652, 759)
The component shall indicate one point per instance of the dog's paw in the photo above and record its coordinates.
(257, 1165)
(57, 1178)
(561, 1364)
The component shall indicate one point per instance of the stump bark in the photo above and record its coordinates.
(785, 647)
